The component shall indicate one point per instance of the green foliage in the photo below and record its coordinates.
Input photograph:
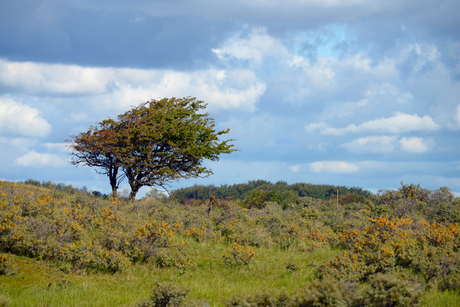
(238, 255)
(262, 299)
(195, 303)
(165, 295)
(6, 265)
(389, 291)
(176, 258)
(412, 201)
(399, 246)
(383, 291)
(258, 198)
(285, 191)
(375, 250)
(152, 144)
(328, 292)
(351, 198)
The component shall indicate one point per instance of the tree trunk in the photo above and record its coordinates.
(113, 180)
(114, 191)
(134, 190)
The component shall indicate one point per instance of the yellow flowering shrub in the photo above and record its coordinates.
(238, 255)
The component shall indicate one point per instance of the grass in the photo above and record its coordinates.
(436, 298)
(38, 283)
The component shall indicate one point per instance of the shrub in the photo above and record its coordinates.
(389, 291)
(196, 303)
(351, 198)
(258, 198)
(263, 299)
(292, 267)
(6, 265)
(450, 276)
(327, 292)
(175, 257)
(164, 295)
(238, 255)
(380, 248)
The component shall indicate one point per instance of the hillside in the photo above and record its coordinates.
(63, 246)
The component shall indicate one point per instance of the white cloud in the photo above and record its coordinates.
(334, 167)
(399, 123)
(400, 97)
(372, 96)
(124, 87)
(18, 144)
(294, 168)
(35, 159)
(425, 54)
(413, 144)
(387, 144)
(254, 48)
(316, 126)
(54, 78)
(311, 77)
(235, 89)
(21, 120)
(56, 147)
(372, 144)
(321, 73)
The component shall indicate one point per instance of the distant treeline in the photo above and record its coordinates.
(242, 190)
(67, 188)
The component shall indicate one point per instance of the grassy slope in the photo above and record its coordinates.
(39, 283)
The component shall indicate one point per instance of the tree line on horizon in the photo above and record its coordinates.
(240, 191)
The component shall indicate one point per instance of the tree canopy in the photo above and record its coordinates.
(152, 144)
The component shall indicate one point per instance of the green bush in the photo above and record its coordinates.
(195, 303)
(351, 198)
(258, 198)
(263, 299)
(450, 276)
(6, 265)
(389, 291)
(327, 292)
(164, 295)
(238, 255)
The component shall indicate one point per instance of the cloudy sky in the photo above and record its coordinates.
(359, 93)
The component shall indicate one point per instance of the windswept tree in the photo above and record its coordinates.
(152, 144)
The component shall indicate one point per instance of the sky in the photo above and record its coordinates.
(359, 93)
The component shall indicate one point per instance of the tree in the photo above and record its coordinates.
(96, 148)
(152, 144)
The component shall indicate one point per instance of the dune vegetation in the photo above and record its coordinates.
(62, 246)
